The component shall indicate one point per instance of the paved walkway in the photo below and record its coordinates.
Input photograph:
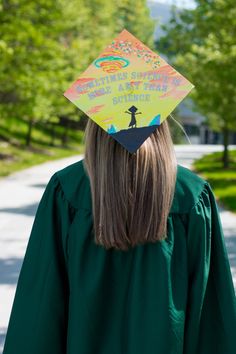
(20, 194)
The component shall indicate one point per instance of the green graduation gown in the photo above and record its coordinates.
(171, 297)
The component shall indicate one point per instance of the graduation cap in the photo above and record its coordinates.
(128, 90)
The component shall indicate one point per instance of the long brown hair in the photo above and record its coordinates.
(131, 193)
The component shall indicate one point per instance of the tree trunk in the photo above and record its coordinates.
(64, 138)
(53, 135)
(225, 157)
(29, 132)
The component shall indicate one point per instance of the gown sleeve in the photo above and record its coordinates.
(210, 326)
(38, 319)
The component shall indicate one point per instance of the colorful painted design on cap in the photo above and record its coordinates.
(129, 90)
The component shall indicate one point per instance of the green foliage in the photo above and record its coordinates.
(45, 44)
(135, 17)
(202, 44)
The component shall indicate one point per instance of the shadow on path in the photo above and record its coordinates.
(38, 185)
(230, 242)
(10, 269)
(28, 210)
(2, 337)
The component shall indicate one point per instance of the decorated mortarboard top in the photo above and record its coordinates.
(128, 90)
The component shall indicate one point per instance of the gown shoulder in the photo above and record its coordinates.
(76, 186)
(188, 189)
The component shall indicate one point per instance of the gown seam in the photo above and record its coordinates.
(64, 194)
(72, 206)
(199, 199)
(73, 213)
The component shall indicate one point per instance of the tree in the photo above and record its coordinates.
(134, 15)
(202, 44)
(45, 44)
(41, 46)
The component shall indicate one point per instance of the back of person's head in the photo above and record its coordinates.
(131, 193)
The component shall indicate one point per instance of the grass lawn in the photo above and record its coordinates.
(15, 156)
(223, 181)
(18, 158)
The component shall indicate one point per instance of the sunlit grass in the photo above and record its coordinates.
(18, 158)
(15, 156)
(223, 181)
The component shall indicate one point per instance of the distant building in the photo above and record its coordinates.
(196, 128)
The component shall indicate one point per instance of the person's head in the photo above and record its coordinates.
(133, 109)
(131, 193)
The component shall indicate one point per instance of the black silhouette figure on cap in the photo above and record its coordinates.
(132, 110)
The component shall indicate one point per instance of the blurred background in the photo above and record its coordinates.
(45, 45)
